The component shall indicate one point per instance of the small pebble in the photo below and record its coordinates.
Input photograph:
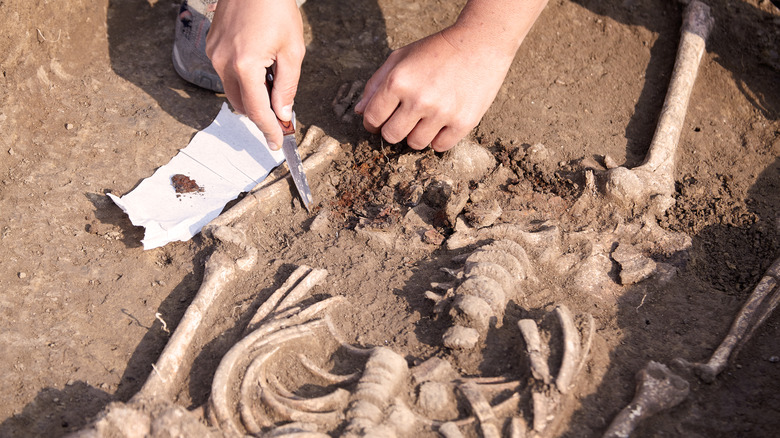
(22, 275)
(774, 359)
(69, 126)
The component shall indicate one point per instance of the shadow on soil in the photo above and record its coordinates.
(743, 40)
(55, 412)
(688, 318)
(345, 44)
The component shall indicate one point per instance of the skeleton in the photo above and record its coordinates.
(386, 397)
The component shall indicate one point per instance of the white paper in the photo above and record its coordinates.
(230, 156)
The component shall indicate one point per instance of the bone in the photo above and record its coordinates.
(533, 346)
(544, 407)
(571, 350)
(482, 410)
(517, 428)
(248, 387)
(269, 304)
(450, 430)
(289, 413)
(268, 194)
(268, 335)
(752, 314)
(329, 377)
(384, 372)
(655, 177)
(345, 99)
(169, 368)
(458, 337)
(657, 389)
(543, 244)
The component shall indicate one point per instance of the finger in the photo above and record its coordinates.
(400, 124)
(286, 77)
(233, 94)
(257, 107)
(372, 86)
(379, 109)
(423, 134)
(447, 138)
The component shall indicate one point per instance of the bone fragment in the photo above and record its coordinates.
(345, 99)
(503, 258)
(484, 213)
(296, 430)
(435, 398)
(752, 314)
(634, 266)
(269, 304)
(533, 346)
(289, 413)
(482, 410)
(300, 291)
(325, 375)
(248, 388)
(384, 372)
(543, 243)
(657, 389)
(544, 410)
(450, 430)
(487, 289)
(571, 350)
(458, 337)
(517, 428)
(494, 271)
(471, 311)
(655, 177)
(433, 369)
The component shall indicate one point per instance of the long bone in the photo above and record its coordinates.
(272, 191)
(168, 370)
(655, 177)
(759, 305)
(657, 389)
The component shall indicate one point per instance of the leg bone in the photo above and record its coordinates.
(752, 314)
(657, 389)
(656, 175)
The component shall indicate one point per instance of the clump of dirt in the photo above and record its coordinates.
(184, 184)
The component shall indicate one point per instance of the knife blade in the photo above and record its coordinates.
(290, 151)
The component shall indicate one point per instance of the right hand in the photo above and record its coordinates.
(245, 38)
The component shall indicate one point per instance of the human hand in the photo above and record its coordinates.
(434, 91)
(245, 38)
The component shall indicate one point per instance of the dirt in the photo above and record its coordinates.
(91, 104)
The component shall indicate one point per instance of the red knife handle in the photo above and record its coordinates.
(287, 127)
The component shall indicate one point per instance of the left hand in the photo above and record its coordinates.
(434, 91)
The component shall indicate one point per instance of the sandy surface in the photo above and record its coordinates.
(91, 104)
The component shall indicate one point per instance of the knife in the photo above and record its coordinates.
(290, 150)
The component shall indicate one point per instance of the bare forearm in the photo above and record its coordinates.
(499, 25)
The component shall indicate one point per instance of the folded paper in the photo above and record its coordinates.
(230, 156)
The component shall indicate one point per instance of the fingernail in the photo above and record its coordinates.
(273, 146)
(286, 113)
(359, 107)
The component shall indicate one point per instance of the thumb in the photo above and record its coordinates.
(285, 86)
